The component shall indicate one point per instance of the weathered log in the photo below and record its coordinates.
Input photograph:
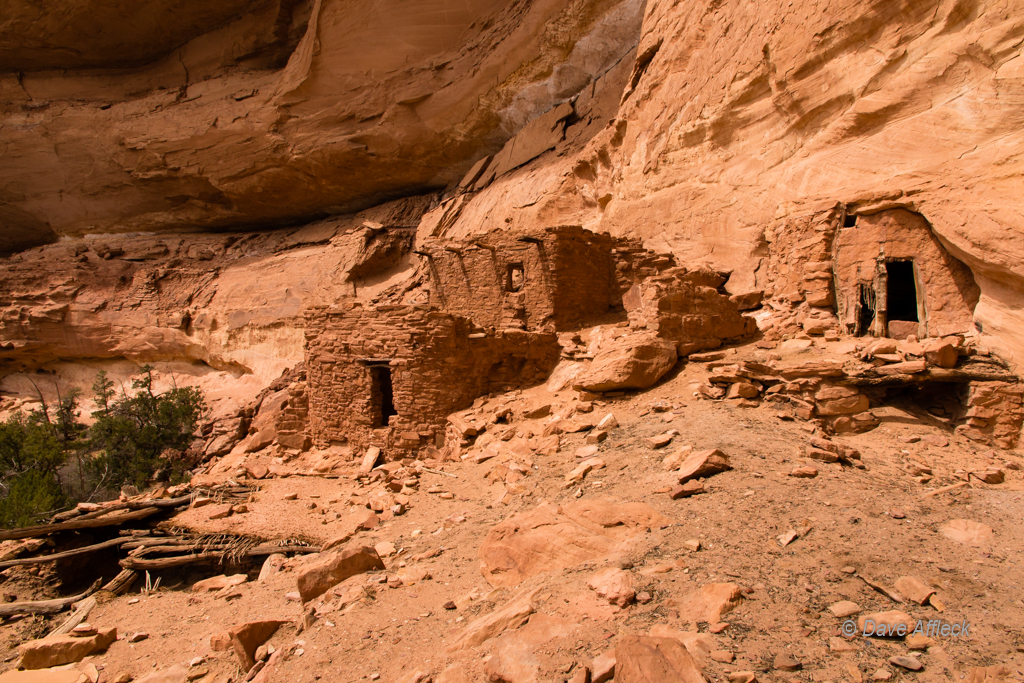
(122, 582)
(269, 549)
(159, 502)
(80, 614)
(139, 563)
(955, 375)
(207, 553)
(77, 523)
(180, 548)
(45, 606)
(67, 553)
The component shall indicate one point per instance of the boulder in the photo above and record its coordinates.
(246, 638)
(548, 539)
(316, 579)
(703, 464)
(614, 585)
(941, 352)
(174, 674)
(66, 649)
(370, 459)
(218, 511)
(69, 675)
(842, 406)
(603, 667)
(630, 362)
(518, 653)
(257, 470)
(216, 583)
(512, 615)
(690, 488)
(909, 367)
(746, 301)
(967, 532)
(699, 645)
(643, 659)
(892, 622)
(844, 608)
(709, 603)
(742, 390)
(914, 589)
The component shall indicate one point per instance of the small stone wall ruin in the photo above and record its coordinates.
(437, 363)
(942, 293)
(685, 306)
(389, 375)
(842, 270)
(559, 278)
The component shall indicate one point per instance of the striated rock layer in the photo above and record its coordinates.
(751, 137)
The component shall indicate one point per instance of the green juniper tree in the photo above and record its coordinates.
(49, 461)
(132, 433)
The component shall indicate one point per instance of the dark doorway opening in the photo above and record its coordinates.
(901, 299)
(850, 220)
(941, 402)
(866, 312)
(514, 277)
(382, 395)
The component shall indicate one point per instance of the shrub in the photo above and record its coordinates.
(50, 461)
(132, 432)
(33, 448)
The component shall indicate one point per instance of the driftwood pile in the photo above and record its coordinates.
(147, 546)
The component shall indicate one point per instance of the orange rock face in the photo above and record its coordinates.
(192, 173)
(545, 538)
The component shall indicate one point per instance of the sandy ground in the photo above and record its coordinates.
(873, 522)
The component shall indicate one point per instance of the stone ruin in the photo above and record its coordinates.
(388, 375)
(558, 278)
(506, 310)
(843, 272)
(894, 279)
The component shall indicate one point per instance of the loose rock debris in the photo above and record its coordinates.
(512, 561)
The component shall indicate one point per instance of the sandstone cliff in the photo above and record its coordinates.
(728, 133)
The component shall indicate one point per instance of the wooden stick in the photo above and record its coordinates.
(45, 606)
(67, 553)
(946, 488)
(79, 523)
(447, 474)
(77, 617)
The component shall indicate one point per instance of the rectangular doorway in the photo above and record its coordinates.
(901, 287)
(382, 394)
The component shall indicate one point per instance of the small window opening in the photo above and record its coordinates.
(866, 309)
(382, 395)
(902, 291)
(515, 277)
(850, 220)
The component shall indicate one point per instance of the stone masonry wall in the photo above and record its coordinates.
(995, 411)
(439, 363)
(945, 286)
(685, 306)
(568, 276)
